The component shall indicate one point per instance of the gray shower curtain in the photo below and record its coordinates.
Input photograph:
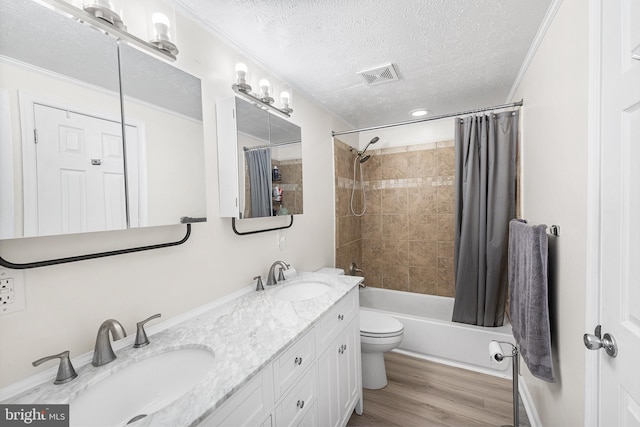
(259, 165)
(485, 181)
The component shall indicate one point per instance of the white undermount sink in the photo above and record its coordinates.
(141, 388)
(301, 291)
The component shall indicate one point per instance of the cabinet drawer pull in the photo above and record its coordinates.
(340, 316)
(298, 361)
(300, 404)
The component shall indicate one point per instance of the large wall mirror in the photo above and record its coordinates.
(269, 155)
(65, 165)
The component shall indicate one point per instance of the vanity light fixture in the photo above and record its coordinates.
(95, 13)
(105, 10)
(161, 37)
(262, 99)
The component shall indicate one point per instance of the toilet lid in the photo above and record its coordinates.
(372, 324)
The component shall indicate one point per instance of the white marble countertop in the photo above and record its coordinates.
(245, 335)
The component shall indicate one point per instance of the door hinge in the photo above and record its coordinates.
(35, 136)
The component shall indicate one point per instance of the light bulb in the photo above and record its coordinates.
(161, 26)
(264, 87)
(285, 98)
(241, 72)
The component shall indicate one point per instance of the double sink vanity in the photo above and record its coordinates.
(286, 356)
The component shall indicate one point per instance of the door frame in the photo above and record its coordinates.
(593, 303)
(26, 102)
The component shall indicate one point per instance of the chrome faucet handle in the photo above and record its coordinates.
(259, 286)
(141, 334)
(65, 369)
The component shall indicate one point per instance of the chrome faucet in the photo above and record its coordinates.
(103, 353)
(271, 277)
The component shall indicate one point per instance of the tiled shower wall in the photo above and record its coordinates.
(404, 241)
(348, 231)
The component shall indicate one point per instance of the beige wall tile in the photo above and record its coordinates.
(445, 255)
(372, 253)
(395, 166)
(371, 226)
(371, 169)
(395, 227)
(374, 202)
(348, 229)
(445, 228)
(395, 252)
(445, 161)
(423, 254)
(446, 283)
(423, 227)
(396, 277)
(423, 200)
(394, 200)
(349, 253)
(405, 239)
(422, 164)
(445, 198)
(423, 280)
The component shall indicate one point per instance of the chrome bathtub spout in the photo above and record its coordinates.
(103, 353)
(271, 277)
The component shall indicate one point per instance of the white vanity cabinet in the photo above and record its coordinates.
(299, 388)
(339, 369)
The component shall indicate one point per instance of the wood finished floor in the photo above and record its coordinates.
(423, 393)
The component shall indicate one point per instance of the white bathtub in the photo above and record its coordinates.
(429, 332)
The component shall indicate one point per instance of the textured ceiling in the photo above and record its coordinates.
(451, 55)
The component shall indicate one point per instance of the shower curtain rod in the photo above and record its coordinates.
(428, 119)
(258, 147)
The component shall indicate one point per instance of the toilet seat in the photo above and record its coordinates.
(378, 325)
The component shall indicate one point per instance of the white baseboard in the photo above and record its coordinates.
(529, 406)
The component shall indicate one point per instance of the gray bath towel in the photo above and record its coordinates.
(528, 296)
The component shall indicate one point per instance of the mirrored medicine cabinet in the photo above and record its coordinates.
(259, 162)
(65, 164)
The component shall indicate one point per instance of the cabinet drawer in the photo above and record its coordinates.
(298, 402)
(336, 319)
(293, 362)
(311, 419)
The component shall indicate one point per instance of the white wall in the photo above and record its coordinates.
(418, 133)
(554, 173)
(65, 304)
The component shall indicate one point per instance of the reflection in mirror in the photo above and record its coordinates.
(59, 86)
(270, 157)
(164, 139)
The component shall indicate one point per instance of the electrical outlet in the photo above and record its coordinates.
(11, 291)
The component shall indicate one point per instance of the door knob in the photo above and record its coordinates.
(595, 342)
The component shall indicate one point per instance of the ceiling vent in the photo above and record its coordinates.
(379, 75)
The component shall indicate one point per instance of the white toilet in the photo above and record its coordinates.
(379, 333)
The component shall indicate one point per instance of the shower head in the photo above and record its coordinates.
(373, 141)
(365, 158)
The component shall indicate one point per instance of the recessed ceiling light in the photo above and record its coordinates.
(419, 112)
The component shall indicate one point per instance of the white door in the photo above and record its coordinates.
(80, 172)
(619, 402)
